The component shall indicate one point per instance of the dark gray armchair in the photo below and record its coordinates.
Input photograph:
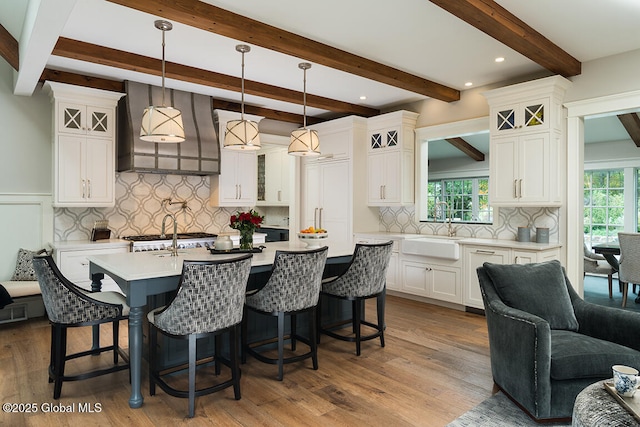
(547, 343)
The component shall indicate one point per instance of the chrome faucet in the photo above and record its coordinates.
(451, 230)
(174, 248)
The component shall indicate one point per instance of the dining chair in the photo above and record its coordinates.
(597, 264)
(629, 271)
(292, 288)
(69, 306)
(208, 302)
(365, 278)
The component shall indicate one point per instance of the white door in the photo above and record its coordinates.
(504, 174)
(375, 177)
(533, 169)
(99, 170)
(414, 278)
(474, 258)
(444, 283)
(310, 196)
(247, 178)
(335, 205)
(71, 182)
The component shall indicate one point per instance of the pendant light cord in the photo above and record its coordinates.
(242, 94)
(304, 98)
(163, 31)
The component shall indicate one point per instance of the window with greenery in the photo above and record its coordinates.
(468, 200)
(603, 205)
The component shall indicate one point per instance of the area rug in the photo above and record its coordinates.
(496, 411)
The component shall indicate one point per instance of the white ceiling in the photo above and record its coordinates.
(415, 36)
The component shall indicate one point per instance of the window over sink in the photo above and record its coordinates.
(453, 168)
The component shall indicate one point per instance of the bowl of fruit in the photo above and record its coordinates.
(313, 237)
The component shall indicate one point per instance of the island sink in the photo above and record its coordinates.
(437, 247)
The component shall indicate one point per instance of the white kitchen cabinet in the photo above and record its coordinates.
(476, 255)
(427, 277)
(333, 186)
(523, 171)
(79, 119)
(529, 116)
(85, 171)
(276, 177)
(526, 143)
(71, 259)
(390, 162)
(236, 185)
(326, 202)
(84, 146)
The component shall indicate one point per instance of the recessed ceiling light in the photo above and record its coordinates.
(499, 59)
(467, 84)
(362, 98)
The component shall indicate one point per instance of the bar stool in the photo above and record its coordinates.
(365, 278)
(69, 306)
(209, 302)
(292, 288)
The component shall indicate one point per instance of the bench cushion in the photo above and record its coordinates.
(21, 288)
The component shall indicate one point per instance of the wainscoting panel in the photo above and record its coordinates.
(26, 221)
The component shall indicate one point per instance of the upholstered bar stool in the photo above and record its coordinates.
(208, 302)
(69, 306)
(292, 289)
(365, 278)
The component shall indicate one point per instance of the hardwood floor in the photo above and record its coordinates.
(435, 367)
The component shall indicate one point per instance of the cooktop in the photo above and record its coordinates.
(151, 237)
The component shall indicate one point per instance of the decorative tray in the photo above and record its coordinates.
(631, 404)
(237, 251)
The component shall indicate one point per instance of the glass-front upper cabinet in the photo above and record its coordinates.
(529, 116)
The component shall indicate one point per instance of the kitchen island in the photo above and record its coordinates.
(142, 274)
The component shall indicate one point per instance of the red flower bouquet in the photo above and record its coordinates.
(246, 223)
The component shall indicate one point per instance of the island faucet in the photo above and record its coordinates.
(451, 230)
(174, 248)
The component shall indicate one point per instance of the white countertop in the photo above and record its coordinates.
(88, 244)
(146, 265)
(462, 240)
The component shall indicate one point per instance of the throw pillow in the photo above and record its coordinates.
(24, 267)
(538, 289)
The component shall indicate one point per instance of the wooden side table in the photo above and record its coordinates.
(594, 406)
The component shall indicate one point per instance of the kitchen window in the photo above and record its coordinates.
(467, 198)
(604, 204)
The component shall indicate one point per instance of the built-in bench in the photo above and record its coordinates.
(27, 301)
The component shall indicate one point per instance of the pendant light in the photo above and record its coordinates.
(242, 134)
(161, 123)
(304, 142)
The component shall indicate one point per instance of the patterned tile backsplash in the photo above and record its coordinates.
(139, 210)
(506, 226)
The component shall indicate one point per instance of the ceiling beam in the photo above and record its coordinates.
(210, 18)
(82, 51)
(118, 86)
(466, 148)
(494, 20)
(9, 48)
(631, 123)
(264, 112)
(43, 24)
(81, 80)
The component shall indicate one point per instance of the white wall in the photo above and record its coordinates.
(26, 161)
(606, 76)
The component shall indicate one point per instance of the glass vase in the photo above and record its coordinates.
(246, 239)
